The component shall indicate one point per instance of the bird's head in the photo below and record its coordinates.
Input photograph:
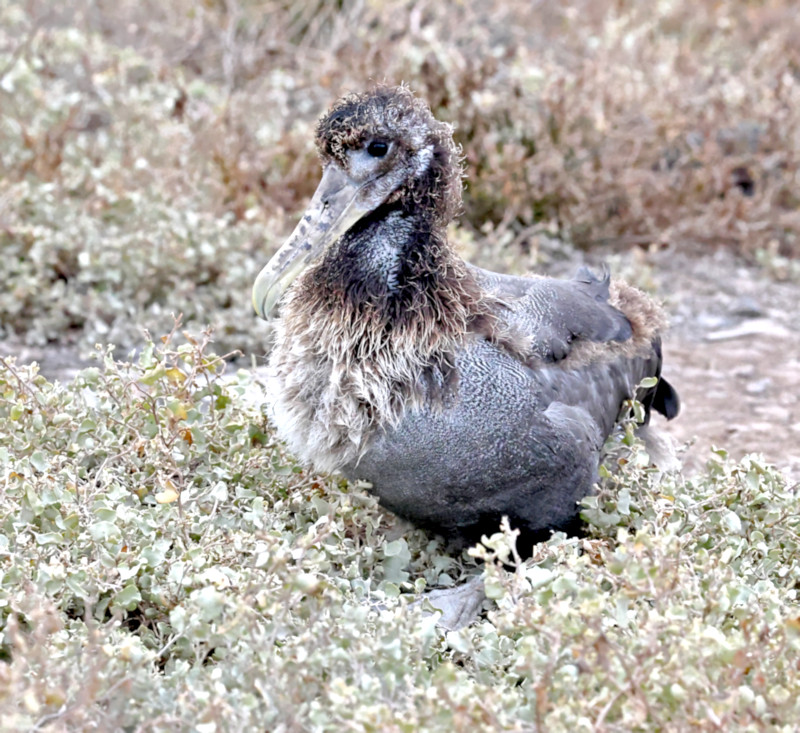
(378, 149)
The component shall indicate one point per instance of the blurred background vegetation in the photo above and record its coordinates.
(153, 155)
(164, 566)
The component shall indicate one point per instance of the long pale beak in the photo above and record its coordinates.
(335, 206)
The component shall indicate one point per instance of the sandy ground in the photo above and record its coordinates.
(733, 354)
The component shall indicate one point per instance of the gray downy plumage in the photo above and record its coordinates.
(461, 395)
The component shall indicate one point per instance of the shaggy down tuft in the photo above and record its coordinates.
(462, 395)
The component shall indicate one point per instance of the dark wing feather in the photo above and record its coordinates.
(554, 314)
(665, 399)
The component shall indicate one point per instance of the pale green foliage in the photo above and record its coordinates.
(164, 567)
(246, 560)
(155, 539)
(109, 210)
(154, 154)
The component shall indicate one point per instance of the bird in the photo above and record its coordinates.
(462, 396)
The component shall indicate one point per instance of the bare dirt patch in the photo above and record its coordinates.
(733, 353)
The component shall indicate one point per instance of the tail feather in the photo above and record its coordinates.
(665, 399)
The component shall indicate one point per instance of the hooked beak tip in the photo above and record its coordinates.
(264, 292)
(259, 308)
(333, 209)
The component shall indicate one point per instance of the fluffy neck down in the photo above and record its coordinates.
(368, 332)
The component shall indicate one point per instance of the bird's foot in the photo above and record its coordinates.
(460, 606)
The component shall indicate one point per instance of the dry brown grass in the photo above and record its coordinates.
(596, 124)
(602, 122)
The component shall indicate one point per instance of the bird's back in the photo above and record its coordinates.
(462, 395)
(521, 437)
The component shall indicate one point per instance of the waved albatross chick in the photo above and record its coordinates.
(461, 395)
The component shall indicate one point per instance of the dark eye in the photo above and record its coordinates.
(378, 148)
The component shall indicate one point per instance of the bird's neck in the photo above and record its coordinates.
(368, 266)
(370, 331)
(393, 283)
